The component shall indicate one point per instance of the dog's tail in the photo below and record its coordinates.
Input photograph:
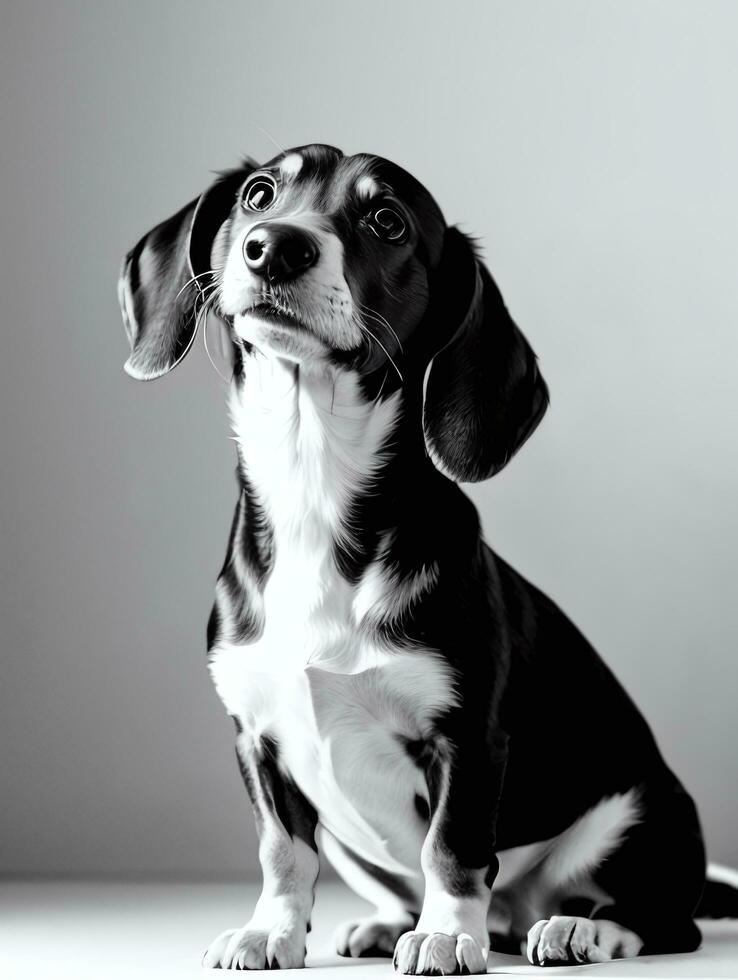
(720, 897)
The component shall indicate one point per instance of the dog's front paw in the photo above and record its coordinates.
(375, 935)
(429, 954)
(566, 939)
(282, 947)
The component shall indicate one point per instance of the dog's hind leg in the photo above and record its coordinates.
(652, 882)
(396, 898)
(274, 936)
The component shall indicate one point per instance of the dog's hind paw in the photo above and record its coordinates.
(249, 948)
(430, 954)
(569, 939)
(375, 935)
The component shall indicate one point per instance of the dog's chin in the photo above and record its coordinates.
(280, 335)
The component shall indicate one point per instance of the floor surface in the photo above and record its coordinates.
(137, 930)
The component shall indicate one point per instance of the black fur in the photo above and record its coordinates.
(485, 394)
(163, 276)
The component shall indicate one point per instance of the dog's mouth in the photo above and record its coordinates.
(276, 313)
(269, 322)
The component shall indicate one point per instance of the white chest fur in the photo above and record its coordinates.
(338, 702)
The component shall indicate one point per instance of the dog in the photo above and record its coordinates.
(473, 766)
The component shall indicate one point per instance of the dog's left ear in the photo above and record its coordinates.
(484, 394)
(162, 278)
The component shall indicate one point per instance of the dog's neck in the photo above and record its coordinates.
(312, 448)
(311, 444)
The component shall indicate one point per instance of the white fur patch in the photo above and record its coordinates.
(339, 703)
(341, 737)
(310, 443)
(367, 187)
(291, 165)
(723, 874)
(309, 446)
(383, 596)
(589, 840)
(370, 888)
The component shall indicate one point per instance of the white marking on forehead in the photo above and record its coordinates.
(291, 165)
(367, 186)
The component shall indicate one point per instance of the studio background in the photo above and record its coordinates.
(592, 147)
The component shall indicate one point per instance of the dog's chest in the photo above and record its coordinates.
(342, 710)
(343, 734)
(341, 707)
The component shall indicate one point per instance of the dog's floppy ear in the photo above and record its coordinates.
(484, 394)
(157, 289)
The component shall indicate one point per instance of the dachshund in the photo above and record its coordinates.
(475, 770)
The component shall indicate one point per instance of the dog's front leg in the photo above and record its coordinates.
(274, 936)
(458, 860)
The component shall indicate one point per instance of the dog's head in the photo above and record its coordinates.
(324, 259)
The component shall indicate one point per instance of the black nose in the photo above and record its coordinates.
(279, 252)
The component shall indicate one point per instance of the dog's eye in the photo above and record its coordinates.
(388, 224)
(259, 193)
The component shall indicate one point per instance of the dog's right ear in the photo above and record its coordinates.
(163, 276)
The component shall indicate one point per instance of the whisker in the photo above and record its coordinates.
(389, 292)
(270, 137)
(373, 314)
(201, 313)
(224, 337)
(205, 310)
(366, 311)
(381, 387)
(203, 297)
(208, 272)
(209, 355)
(363, 327)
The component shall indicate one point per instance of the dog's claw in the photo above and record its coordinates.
(250, 948)
(563, 940)
(429, 954)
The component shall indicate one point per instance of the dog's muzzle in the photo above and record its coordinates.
(278, 252)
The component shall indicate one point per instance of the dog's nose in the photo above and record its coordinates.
(279, 252)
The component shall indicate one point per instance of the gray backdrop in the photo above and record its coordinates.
(594, 149)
